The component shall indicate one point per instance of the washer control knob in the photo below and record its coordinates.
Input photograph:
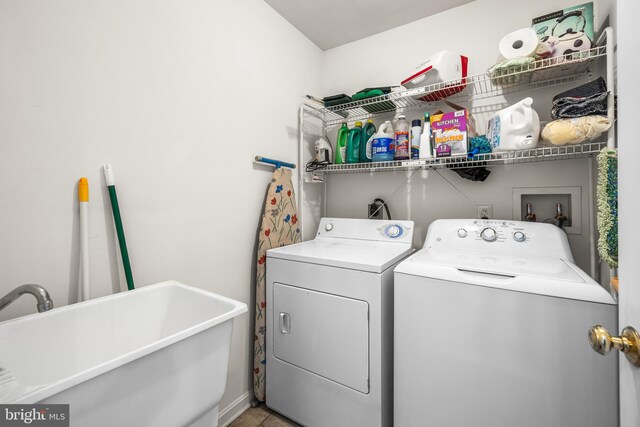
(462, 233)
(394, 231)
(519, 236)
(328, 227)
(489, 234)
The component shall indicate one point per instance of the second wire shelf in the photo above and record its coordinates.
(563, 152)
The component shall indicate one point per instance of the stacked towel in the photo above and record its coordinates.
(511, 71)
(590, 99)
(580, 114)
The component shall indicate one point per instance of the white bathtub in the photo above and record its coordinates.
(155, 356)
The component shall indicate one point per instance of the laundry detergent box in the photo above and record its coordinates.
(449, 133)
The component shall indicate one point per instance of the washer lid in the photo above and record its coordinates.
(501, 264)
(539, 275)
(363, 255)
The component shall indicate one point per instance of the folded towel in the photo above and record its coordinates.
(589, 99)
(586, 90)
(510, 71)
(568, 108)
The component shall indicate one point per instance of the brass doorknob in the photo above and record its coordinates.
(628, 342)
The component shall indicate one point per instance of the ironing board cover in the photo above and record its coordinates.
(279, 228)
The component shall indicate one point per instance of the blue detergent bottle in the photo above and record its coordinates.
(382, 144)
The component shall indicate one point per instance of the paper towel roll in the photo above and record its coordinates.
(519, 43)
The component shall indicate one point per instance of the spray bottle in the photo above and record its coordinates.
(425, 138)
(416, 130)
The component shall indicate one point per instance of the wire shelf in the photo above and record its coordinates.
(564, 152)
(542, 73)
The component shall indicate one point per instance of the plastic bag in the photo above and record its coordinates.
(575, 131)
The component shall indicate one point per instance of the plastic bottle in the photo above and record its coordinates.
(425, 138)
(514, 128)
(353, 143)
(401, 137)
(365, 146)
(341, 145)
(382, 144)
(416, 130)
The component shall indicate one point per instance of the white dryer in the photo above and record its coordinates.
(491, 322)
(330, 323)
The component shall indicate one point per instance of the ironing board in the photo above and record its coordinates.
(279, 227)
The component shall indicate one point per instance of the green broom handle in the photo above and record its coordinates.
(119, 228)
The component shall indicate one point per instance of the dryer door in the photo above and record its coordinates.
(322, 333)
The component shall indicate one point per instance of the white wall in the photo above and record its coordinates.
(387, 58)
(179, 97)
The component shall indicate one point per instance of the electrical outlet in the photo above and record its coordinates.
(485, 211)
(372, 208)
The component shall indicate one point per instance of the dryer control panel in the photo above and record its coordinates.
(366, 229)
(500, 236)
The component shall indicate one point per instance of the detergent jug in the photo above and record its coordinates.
(365, 146)
(341, 145)
(514, 128)
(353, 143)
(382, 145)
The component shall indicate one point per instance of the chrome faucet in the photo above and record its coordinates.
(531, 217)
(560, 219)
(41, 294)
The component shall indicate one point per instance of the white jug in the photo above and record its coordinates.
(514, 128)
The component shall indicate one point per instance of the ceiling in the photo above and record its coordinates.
(331, 23)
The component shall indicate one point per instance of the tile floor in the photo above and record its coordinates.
(261, 416)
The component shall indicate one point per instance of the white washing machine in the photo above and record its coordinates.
(330, 323)
(491, 322)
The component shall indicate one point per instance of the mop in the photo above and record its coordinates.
(111, 185)
(607, 217)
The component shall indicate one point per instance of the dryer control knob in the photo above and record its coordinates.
(462, 233)
(394, 231)
(489, 235)
(328, 227)
(519, 236)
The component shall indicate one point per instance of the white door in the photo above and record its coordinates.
(325, 334)
(629, 198)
